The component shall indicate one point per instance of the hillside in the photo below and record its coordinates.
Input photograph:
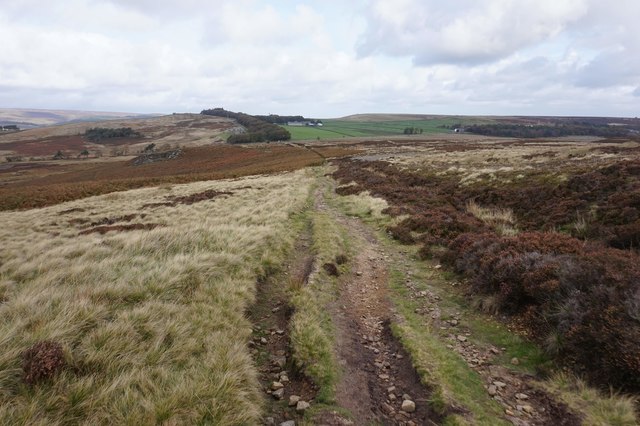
(440, 278)
(165, 132)
(30, 118)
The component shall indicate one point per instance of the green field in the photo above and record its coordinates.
(333, 129)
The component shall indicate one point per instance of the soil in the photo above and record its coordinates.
(270, 345)
(377, 372)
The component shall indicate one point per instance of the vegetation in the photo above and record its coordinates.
(140, 327)
(258, 130)
(579, 299)
(338, 129)
(312, 332)
(284, 119)
(195, 164)
(548, 131)
(412, 131)
(97, 134)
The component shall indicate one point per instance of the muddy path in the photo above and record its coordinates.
(378, 383)
(271, 346)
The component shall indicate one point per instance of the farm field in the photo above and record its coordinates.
(377, 126)
(449, 279)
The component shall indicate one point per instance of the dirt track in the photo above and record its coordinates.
(377, 374)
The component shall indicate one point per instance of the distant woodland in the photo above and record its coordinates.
(584, 128)
(258, 129)
(97, 134)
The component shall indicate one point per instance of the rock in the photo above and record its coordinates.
(284, 379)
(453, 322)
(359, 273)
(500, 385)
(383, 376)
(269, 421)
(408, 406)
(288, 423)
(302, 405)
(522, 396)
(495, 351)
(461, 338)
(492, 390)
(387, 408)
(392, 397)
(515, 361)
(279, 360)
(279, 332)
(527, 409)
(509, 412)
(406, 397)
(293, 400)
(278, 394)
(276, 309)
(263, 340)
(276, 385)
(391, 389)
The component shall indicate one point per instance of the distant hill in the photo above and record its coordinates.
(31, 118)
(390, 117)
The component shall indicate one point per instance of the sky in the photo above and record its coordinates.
(325, 58)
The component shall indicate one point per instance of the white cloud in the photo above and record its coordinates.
(301, 56)
(464, 31)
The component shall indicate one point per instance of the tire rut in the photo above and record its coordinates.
(271, 346)
(378, 384)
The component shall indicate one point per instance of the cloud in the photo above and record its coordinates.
(259, 24)
(302, 56)
(465, 32)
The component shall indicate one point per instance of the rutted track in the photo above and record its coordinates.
(377, 374)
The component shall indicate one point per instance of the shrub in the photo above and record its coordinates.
(579, 293)
(42, 361)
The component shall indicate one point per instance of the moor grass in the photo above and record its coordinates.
(152, 324)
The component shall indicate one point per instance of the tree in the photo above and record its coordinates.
(84, 153)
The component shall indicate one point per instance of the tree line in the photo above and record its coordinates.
(96, 134)
(548, 131)
(285, 119)
(258, 130)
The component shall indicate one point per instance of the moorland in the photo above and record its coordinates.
(160, 270)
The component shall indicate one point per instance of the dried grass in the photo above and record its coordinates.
(151, 322)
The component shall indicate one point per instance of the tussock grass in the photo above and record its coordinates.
(598, 409)
(502, 220)
(152, 323)
(362, 205)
